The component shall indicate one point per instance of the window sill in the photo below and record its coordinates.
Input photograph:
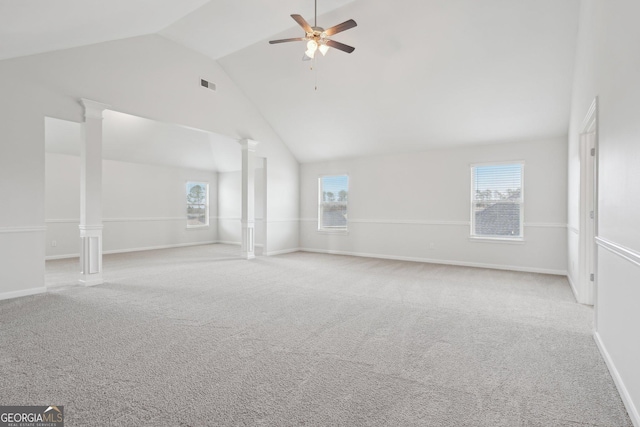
(197, 227)
(507, 240)
(336, 232)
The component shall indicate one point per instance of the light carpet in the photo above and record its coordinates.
(197, 337)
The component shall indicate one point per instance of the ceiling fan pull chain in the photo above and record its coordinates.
(316, 76)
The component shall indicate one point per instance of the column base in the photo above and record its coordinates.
(248, 239)
(91, 281)
(90, 255)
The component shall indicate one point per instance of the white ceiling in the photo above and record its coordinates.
(224, 26)
(425, 73)
(35, 26)
(135, 139)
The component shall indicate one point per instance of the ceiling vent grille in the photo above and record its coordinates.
(208, 84)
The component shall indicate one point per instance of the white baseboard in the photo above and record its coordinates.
(124, 251)
(272, 253)
(227, 242)
(66, 256)
(153, 248)
(92, 282)
(23, 293)
(333, 252)
(283, 251)
(617, 379)
(441, 261)
(573, 288)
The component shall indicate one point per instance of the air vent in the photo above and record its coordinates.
(208, 85)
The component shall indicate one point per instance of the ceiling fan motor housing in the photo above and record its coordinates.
(319, 36)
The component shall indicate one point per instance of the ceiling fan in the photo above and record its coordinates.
(317, 38)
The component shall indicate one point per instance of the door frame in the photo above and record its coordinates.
(589, 206)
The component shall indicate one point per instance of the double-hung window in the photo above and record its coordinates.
(197, 204)
(333, 196)
(497, 197)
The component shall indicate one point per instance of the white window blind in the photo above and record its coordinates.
(332, 204)
(497, 200)
(197, 204)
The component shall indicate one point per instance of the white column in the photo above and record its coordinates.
(248, 198)
(91, 194)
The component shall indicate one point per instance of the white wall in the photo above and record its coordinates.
(608, 66)
(143, 206)
(260, 204)
(417, 206)
(62, 204)
(230, 207)
(147, 76)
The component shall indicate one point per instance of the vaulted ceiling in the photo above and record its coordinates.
(135, 139)
(425, 73)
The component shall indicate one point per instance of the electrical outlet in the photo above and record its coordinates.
(54, 243)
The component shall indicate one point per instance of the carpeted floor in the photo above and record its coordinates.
(196, 337)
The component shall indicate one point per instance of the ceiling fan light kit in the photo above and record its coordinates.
(317, 38)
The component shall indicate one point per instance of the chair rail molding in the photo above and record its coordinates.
(622, 251)
(23, 229)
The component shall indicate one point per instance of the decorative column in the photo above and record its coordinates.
(91, 194)
(248, 198)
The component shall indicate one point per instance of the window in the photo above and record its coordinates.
(333, 192)
(197, 204)
(497, 201)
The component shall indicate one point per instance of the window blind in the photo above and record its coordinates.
(497, 200)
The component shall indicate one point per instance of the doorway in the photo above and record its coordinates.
(589, 206)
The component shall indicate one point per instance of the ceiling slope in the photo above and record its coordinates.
(224, 26)
(424, 74)
(28, 27)
(135, 139)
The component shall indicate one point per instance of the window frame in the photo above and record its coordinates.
(496, 238)
(186, 187)
(331, 230)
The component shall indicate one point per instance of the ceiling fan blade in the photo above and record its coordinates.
(297, 39)
(340, 46)
(304, 24)
(340, 27)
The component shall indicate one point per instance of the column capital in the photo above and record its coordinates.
(248, 144)
(93, 109)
